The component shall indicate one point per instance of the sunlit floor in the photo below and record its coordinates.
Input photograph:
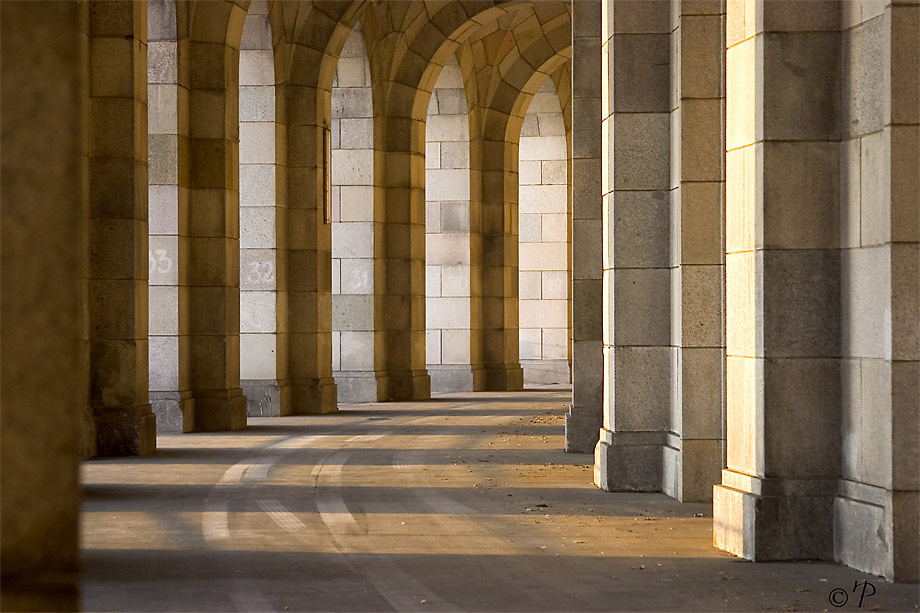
(462, 503)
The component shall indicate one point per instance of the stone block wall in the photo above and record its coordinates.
(353, 225)
(543, 232)
(258, 242)
(447, 234)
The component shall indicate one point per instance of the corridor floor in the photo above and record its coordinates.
(462, 503)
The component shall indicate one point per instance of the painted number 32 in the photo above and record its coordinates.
(261, 272)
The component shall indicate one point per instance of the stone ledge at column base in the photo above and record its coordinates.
(404, 385)
(43, 591)
(356, 386)
(582, 428)
(310, 396)
(690, 468)
(628, 461)
(125, 431)
(175, 412)
(451, 378)
(782, 519)
(546, 372)
(263, 397)
(220, 410)
(876, 530)
(507, 378)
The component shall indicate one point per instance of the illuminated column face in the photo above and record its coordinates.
(447, 234)
(782, 262)
(353, 225)
(585, 416)
(638, 354)
(257, 215)
(543, 242)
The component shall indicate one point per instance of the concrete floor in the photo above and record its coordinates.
(463, 503)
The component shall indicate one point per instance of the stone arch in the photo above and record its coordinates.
(353, 223)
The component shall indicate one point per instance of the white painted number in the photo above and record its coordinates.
(261, 272)
(159, 261)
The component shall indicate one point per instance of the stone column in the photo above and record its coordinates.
(498, 253)
(880, 316)
(782, 281)
(637, 337)
(42, 55)
(585, 416)
(305, 252)
(119, 399)
(214, 247)
(399, 245)
(693, 456)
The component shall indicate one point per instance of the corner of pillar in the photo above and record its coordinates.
(223, 411)
(405, 386)
(768, 520)
(582, 427)
(125, 431)
(506, 378)
(628, 461)
(313, 397)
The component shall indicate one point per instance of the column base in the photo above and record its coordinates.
(691, 467)
(861, 509)
(40, 591)
(774, 519)
(507, 378)
(451, 378)
(175, 411)
(582, 428)
(628, 461)
(263, 397)
(312, 396)
(220, 410)
(125, 431)
(405, 385)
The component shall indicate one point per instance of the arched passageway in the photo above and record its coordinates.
(353, 252)
(543, 233)
(257, 223)
(447, 233)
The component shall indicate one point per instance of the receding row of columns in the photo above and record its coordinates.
(760, 248)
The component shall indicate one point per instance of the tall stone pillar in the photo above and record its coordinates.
(776, 498)
(118, 358)
(636, 276)
(499, 261)
(693, 454)
(214, 248)
(42, 55)
(585, 416)
(399, 246)
(880, 297)
(305, 251)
